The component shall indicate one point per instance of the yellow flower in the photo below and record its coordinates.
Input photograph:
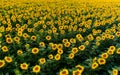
(79, 37)
(17, 25)
(112, 48)
(74, 50)
(36, 69)
(90, 37)
(42, 60)
(118, 51)
(54, 46)
(65, 40)
(35, 50)
(0, 35)
(86, 42)
(17, 39)
(77, 72)
(4, 49)
(27, 45)
(8, 36)
(110, 52)
(8, 59)
(101, 61)
(71, 55)
(9, 40)
(67, 44)
(25, 35)
(60, 51)
(19, 33)
(104, 55)
(111, 37)
(115, 72)
(50, 56)
(59, 46)
(24, 66)
(72, 40)
(82, 47)
(49, 31)
(57, 57)
(64, 72)
(97, 43)
(19, 52)
(94, 65)
(48, 37)
(117, 34)
(95, 59)
(98, 38)
(33, 38)
(81, 68)
(2, 63)
(42, 44)
(60, 27)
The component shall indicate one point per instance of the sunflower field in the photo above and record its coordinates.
(59, 37)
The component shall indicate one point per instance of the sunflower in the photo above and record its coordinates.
(67, 44)
(50, 56)
(19, 52)
(59, 46)
(97, 43)
(49, 31)
(118, 51)
(115, 72)
(94, 65)
(76, 72)
(54, 46)
(0, 35)
(104, 55)
(60, 51)
(78, 36)
(8, 59)
(19, 33)
(117, 34)
(27, 46)
(42, 44)
(110, 52)
(5, 49)
(82, 47)
(74, 50)
(71, 55)
(42, 60)
(65, 40)
(64, 72)
(112, 48)
(101, 61)
(33, 38)
(2, 63)
(72, 40)
(9, 40)
(87, 43)
(98, 38)
(25, 35)
(94, 59)
(60, 27)
(48, 37)
(35, 50)
(17, 39)
(57, 57)
(90, 37)
(24, 66)
(111, 37)
(81, 68)
(36, 69)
